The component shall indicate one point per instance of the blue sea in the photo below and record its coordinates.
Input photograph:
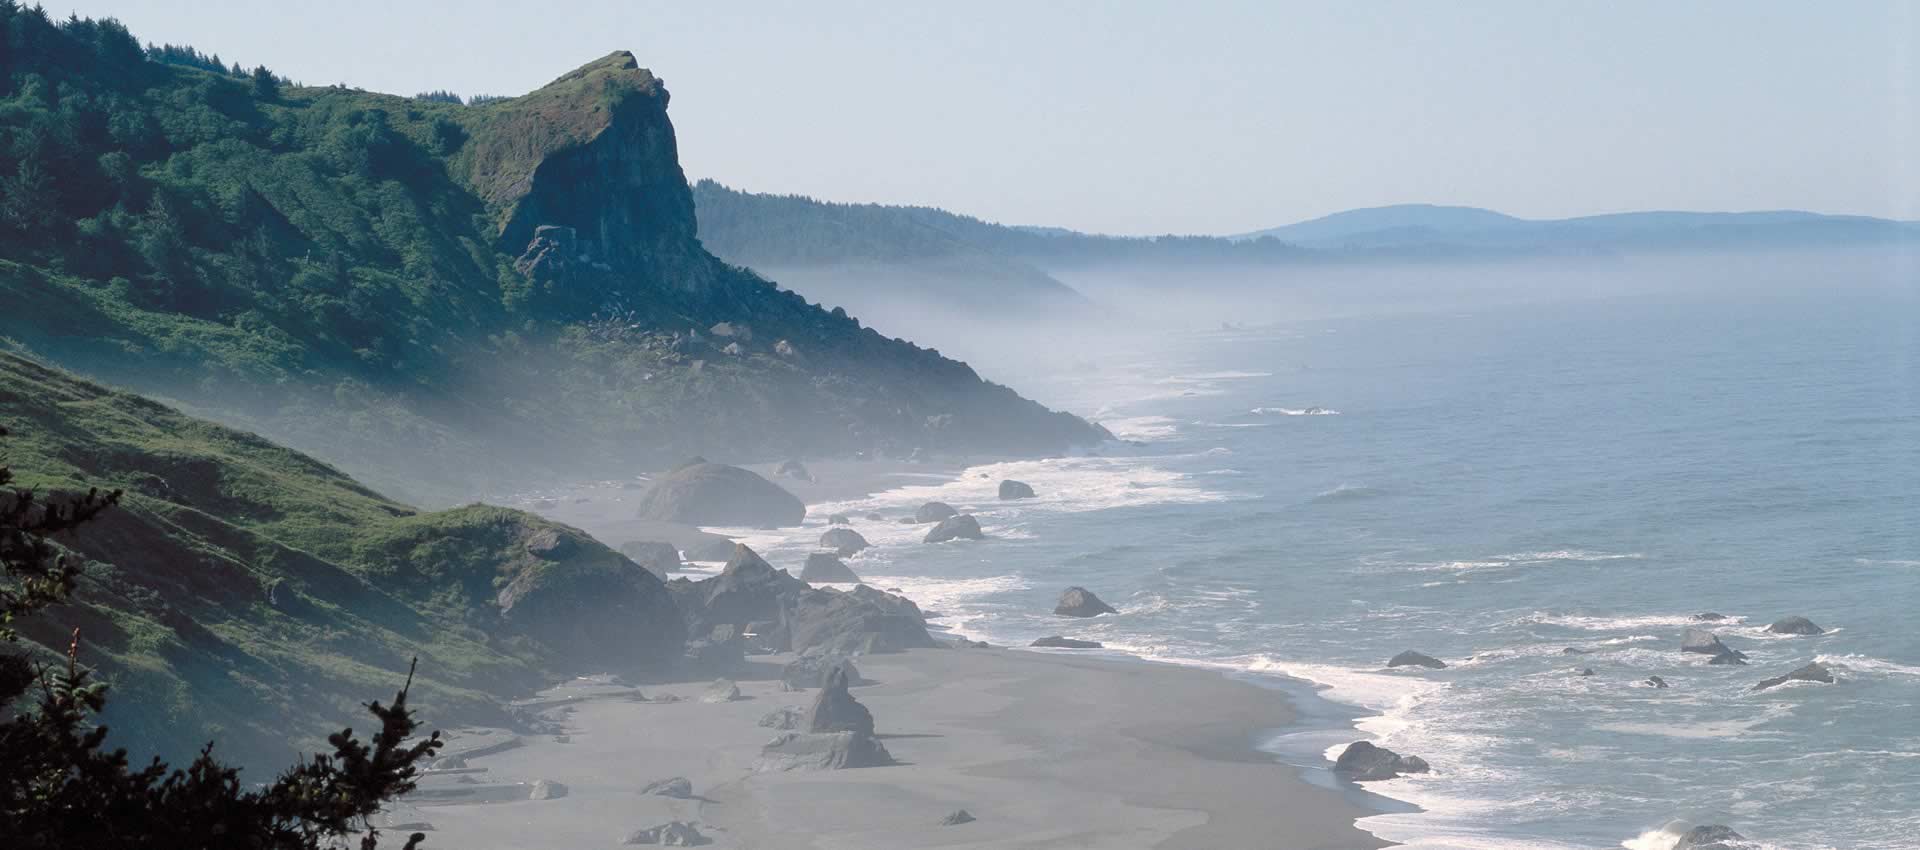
(1492, 486)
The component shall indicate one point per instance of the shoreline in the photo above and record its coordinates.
(1294, 740)
(1044, 749)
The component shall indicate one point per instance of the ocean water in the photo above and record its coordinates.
(1491, 487)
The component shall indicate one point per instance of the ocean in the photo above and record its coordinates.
(1492, 487)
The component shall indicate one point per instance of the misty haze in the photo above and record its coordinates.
(844, 425)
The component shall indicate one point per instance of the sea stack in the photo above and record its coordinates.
(1080, 602)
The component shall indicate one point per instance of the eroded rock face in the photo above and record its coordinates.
(717, 494)
(962, 527)
(821, 751)
(834, 708)
(591, 605)
(1815, 672)
(1361, 761)
(1011, 490)
(824, 567)
(1795, 626)
(1080, 602)
(1416, 659)
(844, 542)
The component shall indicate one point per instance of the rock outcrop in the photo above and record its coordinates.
(669, 834)
(658, 557)
(546, 789)
(1011, 490)
(853, 622)
(821, 751)
(810, 669)
(717, 494)
(958, 817)
(749, 590)
(1707, 643)
(1058, 642)
(1712, 837)
(934, 512)
(962, 527)
(721, 690)
(1795, 626)
(844, 542)
(823, 567)
(1416, 659)
(795, 470)
(678, 787)
(586, 601)
(1361, 761)
(1080, 602)
(1815, 672)
(835, 710)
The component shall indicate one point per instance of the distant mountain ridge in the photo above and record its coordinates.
(1416, 224)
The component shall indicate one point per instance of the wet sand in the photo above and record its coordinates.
(1044, 749)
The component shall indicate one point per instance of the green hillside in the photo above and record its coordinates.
(248, 592)
(439, 297)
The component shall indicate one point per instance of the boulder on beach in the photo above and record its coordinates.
(784, 718)
(1795, 626)
(546, 789)
(795, 470)
(861, 620)
(722, 690)
(1815, 672)
(934, 512)
(717, 494)
(1711, 837)
(810, 669)
(1058, 642)
(670, 834)
(958, 817)
(1656, 682)
(843, 541)
(825, 567)
(821, 751)
(657, 556)
(749, 590)
(955, 528)
(678, 787)
(583, 600)
(1361, 761)
(1416, 659)
(1707, 643)
(835, 710)
(1080, 602)
(1011, 490)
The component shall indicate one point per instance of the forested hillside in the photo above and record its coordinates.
(438, 296)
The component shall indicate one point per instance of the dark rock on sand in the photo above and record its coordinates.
(716, 494)
(810, 669)
(679, 788)
(1416, 659)
(958, 817)
(839, 519)
(1707, 643)
(658, 557)
(1361, 761)
(1080, 602)
(834, 708)
(722, 690)
(1656, 682)
(1795, 626)
(1713, 837)
(1058, 642)
(1011, 490)
(1815, 672)
(795, 470)
(749, 590)
(843, 541)
(547, 789)
(821, 751)
(954, 528)
(934, 512)
(824, 567)
(670, 834)
(784, 718)
(856, 621)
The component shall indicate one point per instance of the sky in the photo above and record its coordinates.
(1191, 117)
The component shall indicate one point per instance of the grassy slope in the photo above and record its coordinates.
(176, 602)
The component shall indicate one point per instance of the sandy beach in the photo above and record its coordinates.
(1044, 749)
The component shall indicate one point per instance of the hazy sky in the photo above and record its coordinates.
(1192, 117)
